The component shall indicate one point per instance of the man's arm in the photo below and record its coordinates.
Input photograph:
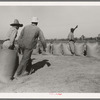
(21, 34)
(42, 39)
(75, 27)
(20, 37)
(13, 36)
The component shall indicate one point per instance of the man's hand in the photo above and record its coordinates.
(77, 26)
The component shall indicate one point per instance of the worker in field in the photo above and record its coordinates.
(72, 40)
(27, 41)
(11, 35)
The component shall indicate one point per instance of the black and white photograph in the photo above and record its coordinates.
(50, 48)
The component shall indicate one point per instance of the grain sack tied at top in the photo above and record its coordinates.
(72, 47)
(79, 49)
(48, 48)
(66, 49)
(8, 64)
(56, 49)
(93, 50)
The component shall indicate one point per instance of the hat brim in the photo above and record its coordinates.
(20, 25)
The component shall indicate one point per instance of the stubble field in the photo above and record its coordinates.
(63, 74)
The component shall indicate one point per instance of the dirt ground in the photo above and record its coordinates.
(63, 74)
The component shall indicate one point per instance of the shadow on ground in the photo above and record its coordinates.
(32, 68)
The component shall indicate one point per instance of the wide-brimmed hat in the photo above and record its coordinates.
(16, 23)
(35, 19)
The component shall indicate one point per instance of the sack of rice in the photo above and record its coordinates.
(72, 47)
(66, 49)
(9, 61)
(48, 48)
(93, 50)
(56, 49)
(79, 49)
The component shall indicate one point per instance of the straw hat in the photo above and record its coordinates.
(16, 23)
(35, 19)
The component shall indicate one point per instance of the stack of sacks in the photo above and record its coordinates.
(9, 61)
(36, 50)
(66, 49)
(79, 49)
(57, 49)
(93, 50)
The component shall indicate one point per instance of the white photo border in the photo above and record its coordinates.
(49, 95)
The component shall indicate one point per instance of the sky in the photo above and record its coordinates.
(54, 21)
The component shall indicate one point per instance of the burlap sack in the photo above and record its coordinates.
(79, 49)
(8, 64)
(56, 49)
(72, 47)
(93, 50)
(48, 48)
(66, 49)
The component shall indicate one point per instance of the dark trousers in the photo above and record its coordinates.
(24, 61)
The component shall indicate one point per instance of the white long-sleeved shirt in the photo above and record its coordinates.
(12, 34)
(70, 36)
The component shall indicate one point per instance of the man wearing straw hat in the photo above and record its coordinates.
(27, 41)
(12, 34)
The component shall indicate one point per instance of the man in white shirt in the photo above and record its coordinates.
(71, 40)
(11, 35)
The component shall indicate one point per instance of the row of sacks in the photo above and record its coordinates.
(80, 49)
(9, 59)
